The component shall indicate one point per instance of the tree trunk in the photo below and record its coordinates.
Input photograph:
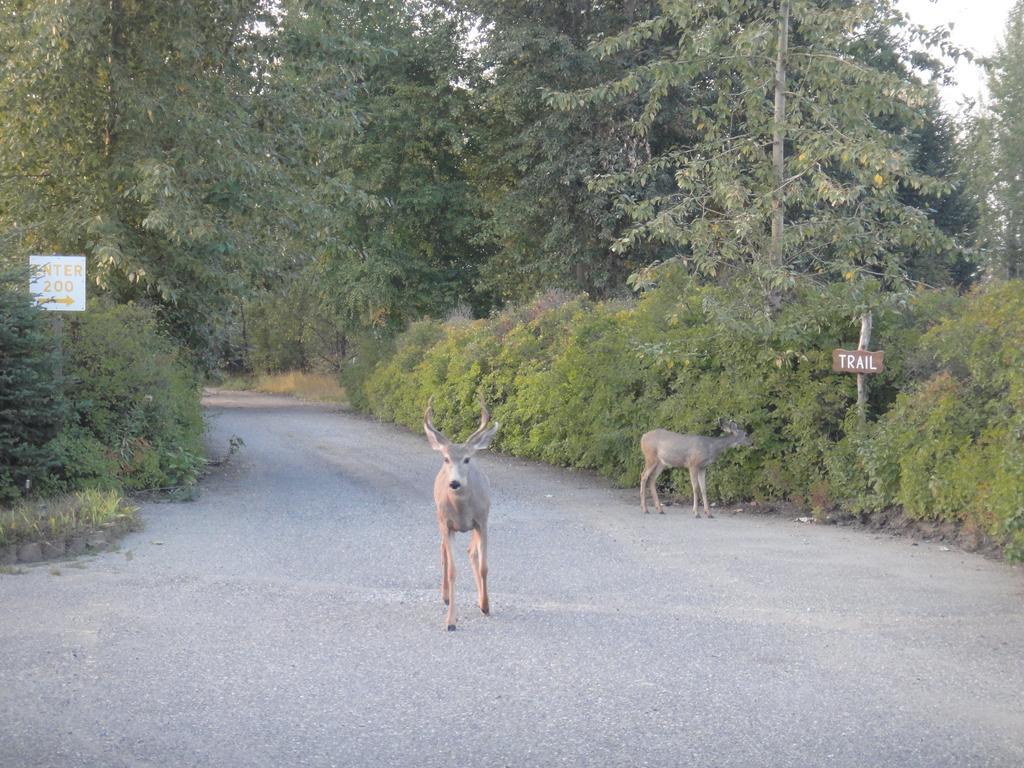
(115, 60)
(779, 136)
(862, 382)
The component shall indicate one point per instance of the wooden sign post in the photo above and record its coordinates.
(860, 361)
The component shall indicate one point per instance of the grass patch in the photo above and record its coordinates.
(320, 387)
(236, 383)
(62, 516)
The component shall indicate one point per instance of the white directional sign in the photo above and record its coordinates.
(58, 282)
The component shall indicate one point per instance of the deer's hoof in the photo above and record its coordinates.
(485, 610)
(451, 627)
(710, 515)
(445, 599)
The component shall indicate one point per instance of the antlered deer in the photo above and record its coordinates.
(663, 449)
(463, 498)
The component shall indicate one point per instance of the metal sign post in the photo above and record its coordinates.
(57, 283)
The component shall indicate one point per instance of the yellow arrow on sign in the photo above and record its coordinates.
(54, 300)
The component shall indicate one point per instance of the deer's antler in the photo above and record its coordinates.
(485, 417)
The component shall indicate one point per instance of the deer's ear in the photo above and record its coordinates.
(437, 441)
(484, 439)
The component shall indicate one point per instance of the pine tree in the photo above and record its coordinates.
(1004, 235)
(544, 226)
(31, 407)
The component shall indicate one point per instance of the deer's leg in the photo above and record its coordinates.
(445, 595)
(643, 490)
(644, 476)
(478, 557)
(695, 484)
(658, 469)
(474, 557)
(450, 573)
(701, 477)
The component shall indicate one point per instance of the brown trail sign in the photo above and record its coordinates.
(857, 361)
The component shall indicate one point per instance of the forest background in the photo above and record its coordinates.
(603, 217)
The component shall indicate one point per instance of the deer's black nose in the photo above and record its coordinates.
(455, 485)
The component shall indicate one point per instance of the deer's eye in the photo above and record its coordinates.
(447, 460)
(465, 461)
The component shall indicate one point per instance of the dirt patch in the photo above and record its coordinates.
(893, 522)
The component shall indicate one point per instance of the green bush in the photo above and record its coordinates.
(576, 383)
(392, 388)
(295, 330)
(274, 330)
(32, 410)
(952, 447)
(136, 405)
(368, 351)
(83, 461)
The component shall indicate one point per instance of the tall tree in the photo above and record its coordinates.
(545, 226)
(853, 92)
(939, 151)
(1003, 229)
(419, 252)
(779, 135)
(180, 149)
(388, 216)
(313, 70)
(404, 247)
(129, 135)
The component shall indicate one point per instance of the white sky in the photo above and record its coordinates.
(978, 25)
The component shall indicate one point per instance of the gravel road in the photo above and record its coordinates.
(291, 617)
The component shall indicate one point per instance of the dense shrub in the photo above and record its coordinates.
(952, 447)
(31, 408)
(392, 387)
(576, 383)
(368, 351)
(136, 413)
(274, 330)
(296, 328)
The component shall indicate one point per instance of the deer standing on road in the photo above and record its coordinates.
(663, 449)
(463, 498)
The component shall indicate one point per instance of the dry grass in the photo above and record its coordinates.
(62, 516)
(320, 387)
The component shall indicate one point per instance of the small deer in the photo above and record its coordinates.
(663, 449)
(463, 498)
